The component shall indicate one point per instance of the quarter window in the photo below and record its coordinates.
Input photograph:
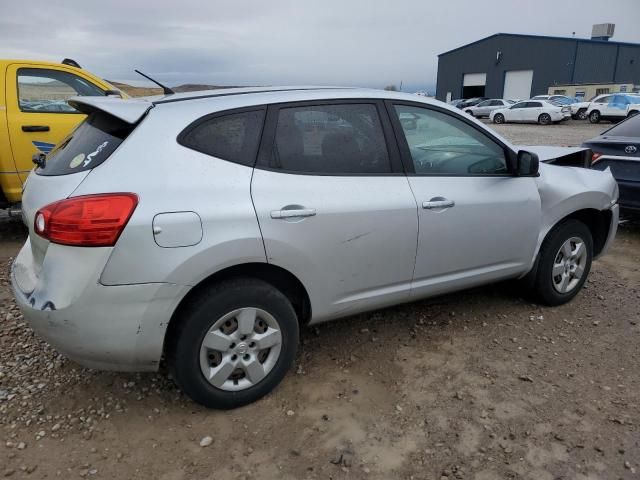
(42, 90)
(233, 137)
(330, 139)
(441, 144)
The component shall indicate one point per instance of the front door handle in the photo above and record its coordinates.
(35, 128)
(436, 204)
(294, 213)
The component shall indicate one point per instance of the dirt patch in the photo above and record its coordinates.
(481, 384)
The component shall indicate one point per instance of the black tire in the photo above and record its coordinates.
(632, 113)
(582, 114)
(498, 118)
(195, 320)
(470, 112)
(543, 283)
(594, 116)
(544, 119)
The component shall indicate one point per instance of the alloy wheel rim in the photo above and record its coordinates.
(240, 349)
(569, 265)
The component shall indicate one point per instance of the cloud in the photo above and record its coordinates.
(251, 42)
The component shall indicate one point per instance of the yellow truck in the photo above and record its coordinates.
(34, 114)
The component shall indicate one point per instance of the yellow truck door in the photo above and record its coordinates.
(38, 116)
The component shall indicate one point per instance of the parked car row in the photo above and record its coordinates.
(545, 109)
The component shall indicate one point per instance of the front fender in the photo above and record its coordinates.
(566, 190)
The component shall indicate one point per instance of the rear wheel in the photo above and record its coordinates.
(498, 118)
(633, 113)
(544, 119)
(234, 344)
(594, 117)
(564, 262)
(470, 112)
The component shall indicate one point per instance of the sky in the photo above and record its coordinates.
(285, 42)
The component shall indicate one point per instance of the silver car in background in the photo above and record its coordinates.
(484, 109)
(208, 228)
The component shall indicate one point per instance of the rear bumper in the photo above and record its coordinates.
(104, 327)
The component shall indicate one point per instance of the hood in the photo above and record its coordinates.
(562, 156)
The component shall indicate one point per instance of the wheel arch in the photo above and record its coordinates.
(597, 221)
(280, 278)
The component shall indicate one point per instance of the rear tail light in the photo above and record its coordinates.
(86, 221)
(595, 157)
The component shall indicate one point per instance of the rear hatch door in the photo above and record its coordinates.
(109, 122)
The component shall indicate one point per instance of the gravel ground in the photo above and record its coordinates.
(477, 385)
(570, 133)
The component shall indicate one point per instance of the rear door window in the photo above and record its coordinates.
(233, 137)
(330, 139)
(89, 145)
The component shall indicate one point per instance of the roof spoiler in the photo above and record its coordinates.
(127, 110)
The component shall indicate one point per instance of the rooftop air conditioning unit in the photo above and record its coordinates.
(602, 31)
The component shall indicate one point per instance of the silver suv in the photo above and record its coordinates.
(207, 228)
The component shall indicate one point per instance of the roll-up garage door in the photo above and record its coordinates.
(517, 84)
(473, 85)
(474, 80)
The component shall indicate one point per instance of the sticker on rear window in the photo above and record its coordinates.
(76, 161)
(93, 154)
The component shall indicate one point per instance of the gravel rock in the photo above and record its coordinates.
(206, 441)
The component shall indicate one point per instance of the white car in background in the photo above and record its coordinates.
(531, 111)
(633, 109)
(483, 109)
(612, 107)
(579, 109)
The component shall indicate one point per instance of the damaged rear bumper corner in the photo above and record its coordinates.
(104, 327)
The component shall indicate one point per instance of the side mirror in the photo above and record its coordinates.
(527, 164)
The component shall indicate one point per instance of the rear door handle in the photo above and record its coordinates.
(435, 204)
(35, 128)
(301, 212)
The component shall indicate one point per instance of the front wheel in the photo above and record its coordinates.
(633, 113)
(470, 112)
(594, 117)
(234, 344)
(582, 114)
(544, 119)
(498, 118)
(564, 262)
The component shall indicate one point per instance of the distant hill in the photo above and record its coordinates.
(144, 91)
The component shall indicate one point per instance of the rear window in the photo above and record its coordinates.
(628, 128)
(89, 145)
(233, 137)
